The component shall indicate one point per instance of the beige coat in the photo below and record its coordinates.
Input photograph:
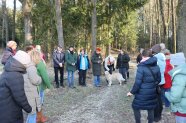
(31, 81)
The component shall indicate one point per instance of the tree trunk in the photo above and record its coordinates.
(27, 7)
(174, 25)
(13, 26)
(94, 25)
(59, 23)
(181, 31)
(163, 20)
(3, 22)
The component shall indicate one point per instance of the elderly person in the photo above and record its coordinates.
(9, 51)
(12, 94)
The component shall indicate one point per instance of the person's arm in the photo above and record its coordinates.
(67, 58)
(18, 93)
(34, 78)
(94, 60)
(106, 66)
(43, 73)
(138, 81)
(55, 58)
(177, 89)
(88, 62)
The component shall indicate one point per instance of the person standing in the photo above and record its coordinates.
(96, 66)
(71, 61)
(9, 51)
(12, 94)
(59, 60)
(177, 93)
(123, 63)
(144, 89)
(83, 65)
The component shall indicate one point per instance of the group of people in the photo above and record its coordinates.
(81, 63)
(159, 83)
(22, 85)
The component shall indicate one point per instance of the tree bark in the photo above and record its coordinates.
(181, 31)
(27, 7)
(5, 21)
(163, 20)
(59, 23)
(174, 24)
(13, 26)
(94, 25)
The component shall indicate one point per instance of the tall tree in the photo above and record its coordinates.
(94, 25)
(174, 25)
(13, 25)
(163, 20)
(5, 21)
(27, 7)
(181, 31)
(59, 23)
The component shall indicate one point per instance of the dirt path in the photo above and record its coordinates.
(95, 105)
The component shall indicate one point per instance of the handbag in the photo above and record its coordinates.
(158, 89)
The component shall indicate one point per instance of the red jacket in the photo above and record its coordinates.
(168, 81)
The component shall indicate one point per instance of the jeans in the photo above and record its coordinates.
(31, 118)
(42, 94)
(137, 116)
(123, 72)
(96, 80)
(82, 77)
(56, 70)
(71, 79)
(164, 99)
(180, 119)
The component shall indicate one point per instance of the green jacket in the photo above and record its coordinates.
(70, 58)
(41, 69)
(96, 67)
(177, 94)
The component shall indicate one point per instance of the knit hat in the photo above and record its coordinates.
(162, 45)
(156, 48)
(11, 44)
(22, 57)
(98, 49)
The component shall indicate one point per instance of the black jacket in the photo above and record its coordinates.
(144, 87)
(139, 58)
(58, 58)
(8, 53)
(12, 94)
(123, 61)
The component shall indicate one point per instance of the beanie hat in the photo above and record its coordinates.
(22, 57)
(156, 48)
(162, 45)
(11, 44)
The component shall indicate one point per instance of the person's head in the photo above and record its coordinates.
(146, 53)
(12, 45)
(38, 48)
(156, 49)
(98, 50)
(111, 59)
(82, 51)
(162, 45)
(122, 51)
(167, 54)
(22, 57)
(35, 56)
(29, 48)
(71, 48)
(141, 50)
(59, 48)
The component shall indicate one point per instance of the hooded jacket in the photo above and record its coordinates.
(144, 87)
(12, 95)
(177, 94)
(8, 53)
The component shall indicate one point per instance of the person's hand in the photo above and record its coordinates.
(60, 64)
(129, 94)
(73, 64)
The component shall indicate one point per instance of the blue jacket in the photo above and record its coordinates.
(79, 62)
(144, 87)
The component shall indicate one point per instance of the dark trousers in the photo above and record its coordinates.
(110, 69)
(82, 77)
(137, 116)
(56, 70)
(123, 72)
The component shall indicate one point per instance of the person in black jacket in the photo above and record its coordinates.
(12, 94)
(83, 65)
(59, 60)
(148, 77)
(123, 63)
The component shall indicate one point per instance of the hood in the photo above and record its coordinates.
(22, 57)
(13, 65)
(152, 61)
(160, 57)
(181, 69)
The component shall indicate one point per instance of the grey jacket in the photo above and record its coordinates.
(31, 81)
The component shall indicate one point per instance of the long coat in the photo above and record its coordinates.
(71, 58)
(12, 95)
(144, 87)
(177, 94)
(96, 67)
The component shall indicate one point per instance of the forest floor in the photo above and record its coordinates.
(94, 104)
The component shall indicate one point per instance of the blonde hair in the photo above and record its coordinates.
(35, 56)
(11, 44)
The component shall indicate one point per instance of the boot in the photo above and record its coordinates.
(41, 118)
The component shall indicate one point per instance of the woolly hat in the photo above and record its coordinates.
(156, 48)
(162, 45)
(22, 57)
(98, 49)
(11, 44)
